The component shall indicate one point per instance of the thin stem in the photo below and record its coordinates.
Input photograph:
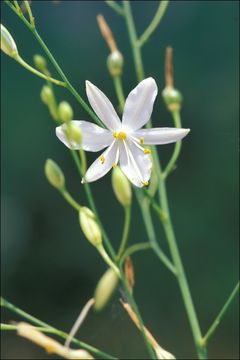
(31, 17)
(221, 314)
(135, 248)
(177, 148)
(83, 159)
(133, 39)
(107, 259)
(154, 23)
(127, 222)
(119, 91)
(38, 73)
(167, 224)
(70, 199)
(136, 310)
(154, 204)
(53, 330)
(116, 7)
(17, 6)
(151, 233)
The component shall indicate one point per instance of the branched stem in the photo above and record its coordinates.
(221, 314)
(154, 23)
(116, 7)
(135, 248)
(48, 328)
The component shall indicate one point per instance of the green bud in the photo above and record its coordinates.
(115, 63)
(121, 187)
(40, 63)
(46, 95)
(54, 174)
(65, 111)
(7, 43)
(173, 98)
(90, 227)
(105, 289)
(74, 134)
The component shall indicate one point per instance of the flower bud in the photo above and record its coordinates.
(90, 227)
(7, 43)
(46, 95)
(115, 63)
(40, 63)
(65, 111)
(105, 289)
(172, 98)
(74, 134)
(121, 187)
(54, 174)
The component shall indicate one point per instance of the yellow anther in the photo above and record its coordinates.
(121, 135)
(147, 151)
(141, 140)
(115, 134)
(102, 159)
(145, 183)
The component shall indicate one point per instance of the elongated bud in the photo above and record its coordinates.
(40, 63)
(54, 174)
(171, 96)
(65, 111)
(115, 63)
(105, 289)
(7, 43)
(90, 227)
(74, 134)
(46, 95)
(121, 187)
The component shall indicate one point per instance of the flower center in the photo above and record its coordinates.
(119, 135)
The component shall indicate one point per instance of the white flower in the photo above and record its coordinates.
(123, 140)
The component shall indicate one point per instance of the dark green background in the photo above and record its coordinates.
(49, 269)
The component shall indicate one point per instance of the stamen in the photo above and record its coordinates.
(147, 151)
(141, 140)
(115, 134)
(145, 183)
(102, 159)
(121, 135)
(116, 159)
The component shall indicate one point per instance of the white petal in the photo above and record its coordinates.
(102, 164)
(139, 104)
(135, 164)
(102, 107)
(160, 136)
(94, 138)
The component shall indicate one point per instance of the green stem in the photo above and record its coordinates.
(116, 7)
(151, 233)
(38, 73)
(107, 259)
(53, 330)
(176, 152)
(31, 18)
(70, 199)
(154, 204)
(133, 39)
(119, 91)
(127, 222)
(135, 248)
(83, 159)
(17, 6)
(167, 224)
(154, 23)
(221, 314)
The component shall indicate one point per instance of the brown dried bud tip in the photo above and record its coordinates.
(129, 273)
(169, 67)
(106, 33)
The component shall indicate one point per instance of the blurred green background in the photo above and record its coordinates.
(49, 269)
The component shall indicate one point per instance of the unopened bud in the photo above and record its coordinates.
(121, 187)
(105, 289)
(40, 63)
(54, 174)
(172, 98)
(115, 63)
(90, 227)
(46, 95)
(74, 134)
(65, 111)
(7, 43)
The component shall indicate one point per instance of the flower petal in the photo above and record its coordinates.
(102, 164)
(102, 107)
(139, 104)
(135, 164)
(160, 136)
(94, 138)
